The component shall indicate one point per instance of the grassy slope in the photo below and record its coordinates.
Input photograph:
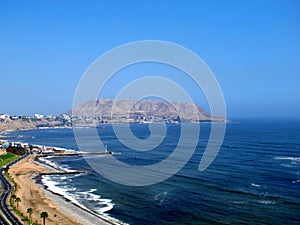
(7, 158)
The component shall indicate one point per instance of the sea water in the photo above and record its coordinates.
(255, 178)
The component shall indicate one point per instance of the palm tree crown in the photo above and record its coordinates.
(29, 211)
(18, 200)
(44, 215)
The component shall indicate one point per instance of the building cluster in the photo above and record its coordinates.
(16, 148)
(63, 119)
(19, 147)
(132, 118)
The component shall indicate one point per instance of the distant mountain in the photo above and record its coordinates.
(100, 111)
(130, 109)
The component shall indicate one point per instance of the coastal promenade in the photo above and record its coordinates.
(6, 216)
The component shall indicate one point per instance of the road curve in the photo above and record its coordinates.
(6, 216)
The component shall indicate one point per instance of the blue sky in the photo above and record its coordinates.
(253, 48)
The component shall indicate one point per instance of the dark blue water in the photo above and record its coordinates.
(255, 179)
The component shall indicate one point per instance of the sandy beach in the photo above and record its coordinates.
(34, 196)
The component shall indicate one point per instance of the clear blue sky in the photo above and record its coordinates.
(253, 48)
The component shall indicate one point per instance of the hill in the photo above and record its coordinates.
(108, 110)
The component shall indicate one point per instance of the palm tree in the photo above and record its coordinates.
(44, 215)
(18, 200)
(13, 197)
(29, 211)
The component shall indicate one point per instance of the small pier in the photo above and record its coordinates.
(63, 173)
(62, 154)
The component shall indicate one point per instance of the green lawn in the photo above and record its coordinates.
(7, 158)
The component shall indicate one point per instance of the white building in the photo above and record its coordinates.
(4, 117)
(38, 116)
(66, 117)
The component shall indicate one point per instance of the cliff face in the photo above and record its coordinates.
(131, 108)
(13, 125)
(27, 124)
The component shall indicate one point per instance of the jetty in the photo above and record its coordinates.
(70, 153)
(63, 173)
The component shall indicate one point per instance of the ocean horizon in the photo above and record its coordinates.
(255, 178)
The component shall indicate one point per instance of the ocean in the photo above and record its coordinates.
(255, 178)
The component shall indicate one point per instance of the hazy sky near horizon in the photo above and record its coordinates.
(253, 48)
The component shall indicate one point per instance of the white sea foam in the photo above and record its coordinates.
(101, 205)
(161, 197)
(55, 147)
(49, 162)
(285, 165)
(67, 169)
(64, 149)
(255, 185)
(266, 202)
(63, 178)
(239, 202)
(297, 159)
(52, 186)
(116, 153)
(295, 181)
(106, 208)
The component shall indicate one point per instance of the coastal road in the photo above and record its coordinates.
(3, 219)
(6, 216)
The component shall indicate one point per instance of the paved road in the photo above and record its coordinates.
(3, 220)
(4, 210)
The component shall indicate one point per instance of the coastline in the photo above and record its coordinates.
(34, 195)
(28, 174)
(34, 128)
(68, 199)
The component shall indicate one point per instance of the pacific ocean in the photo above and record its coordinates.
(255, 178)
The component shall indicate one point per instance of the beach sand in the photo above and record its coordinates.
(34, 196)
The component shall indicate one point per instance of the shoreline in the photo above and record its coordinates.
(30, 172)
(35, 128)
(34, 194)
(60, 197)
(206, 121)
